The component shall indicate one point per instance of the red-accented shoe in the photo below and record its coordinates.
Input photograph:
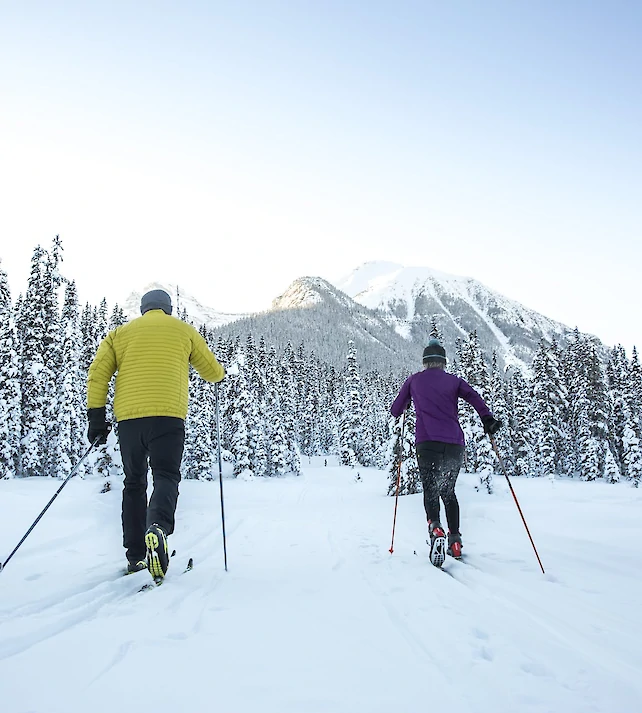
(454, 545)
(437, 543)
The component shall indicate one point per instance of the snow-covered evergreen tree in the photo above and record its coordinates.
(550, 402)
(277, 438)
(435, 332)
(33, 409)
(611, 468)
(634, 390)
(52, 281)
(288, 388)
(9, 386)
(520, 425)
(240, 443)
(256, 409)
(201, 448)
(401, 456)
(632, 453)
(351, 417)
(71, 413)
(499, 406)
(479, 453)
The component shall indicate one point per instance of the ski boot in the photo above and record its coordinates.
(454, 545)
(437, 543)
(157, 552)
(134, 566)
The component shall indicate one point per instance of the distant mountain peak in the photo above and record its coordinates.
(308, 291)
(197, 312)
(412, 297)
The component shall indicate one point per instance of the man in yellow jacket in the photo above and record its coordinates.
(151, 355)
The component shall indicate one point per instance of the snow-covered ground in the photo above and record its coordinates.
(315, 615)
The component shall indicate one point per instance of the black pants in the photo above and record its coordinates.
(158, 440)
(439, 465)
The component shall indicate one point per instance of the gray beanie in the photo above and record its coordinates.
(156, 299)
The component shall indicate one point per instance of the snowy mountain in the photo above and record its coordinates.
(197, 312)
(410, 297)
(387, 310)
(315, 312)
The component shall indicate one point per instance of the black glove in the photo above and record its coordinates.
(98, 426)
(491, 425)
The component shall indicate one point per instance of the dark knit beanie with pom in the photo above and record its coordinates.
(434, 350)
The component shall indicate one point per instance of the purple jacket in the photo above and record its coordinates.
(435, 394)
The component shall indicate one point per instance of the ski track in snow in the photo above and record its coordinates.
(314, 614)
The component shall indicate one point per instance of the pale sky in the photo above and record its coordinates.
(231, 147)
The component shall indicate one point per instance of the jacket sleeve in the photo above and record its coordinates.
(400, 404)
(100, 372)
(204, 361)
(469, 394)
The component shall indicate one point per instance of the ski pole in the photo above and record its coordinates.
(220, 472)
(57, 493)
(501, 463)
(394, 519)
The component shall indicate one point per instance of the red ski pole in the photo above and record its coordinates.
(501, 463)
(394, 519)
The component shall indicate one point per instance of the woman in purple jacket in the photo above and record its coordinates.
(440, 441)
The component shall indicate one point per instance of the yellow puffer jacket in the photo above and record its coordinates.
(152, 355)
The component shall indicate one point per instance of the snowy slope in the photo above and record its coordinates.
(315, 615)
(198, 313)
(410, 296)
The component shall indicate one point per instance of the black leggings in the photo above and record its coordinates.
(439, 465)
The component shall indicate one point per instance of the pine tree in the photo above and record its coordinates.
(52, 281)
(617, 376)
(32, 329)
(89, 337)
(634, 390)
(351, 419)
(590, 411)
(521, 425)
(240, 445)
(435, 332)
(71, 440)
(611, 468)
(499, 406)
(256, 407)
(200, 426)
(9, 386)
(288, 417)
(204, 432)
(101, 327)
(401, 445)
(479, 453)
(277, 440)
(549, 394)
(632, 453)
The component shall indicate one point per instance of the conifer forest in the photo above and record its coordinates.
(574, 413)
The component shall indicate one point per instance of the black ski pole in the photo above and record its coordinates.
(528, 532)
(220, 472)
(57, 493)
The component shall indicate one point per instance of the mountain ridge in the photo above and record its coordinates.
(411, 298)
(388, 310)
